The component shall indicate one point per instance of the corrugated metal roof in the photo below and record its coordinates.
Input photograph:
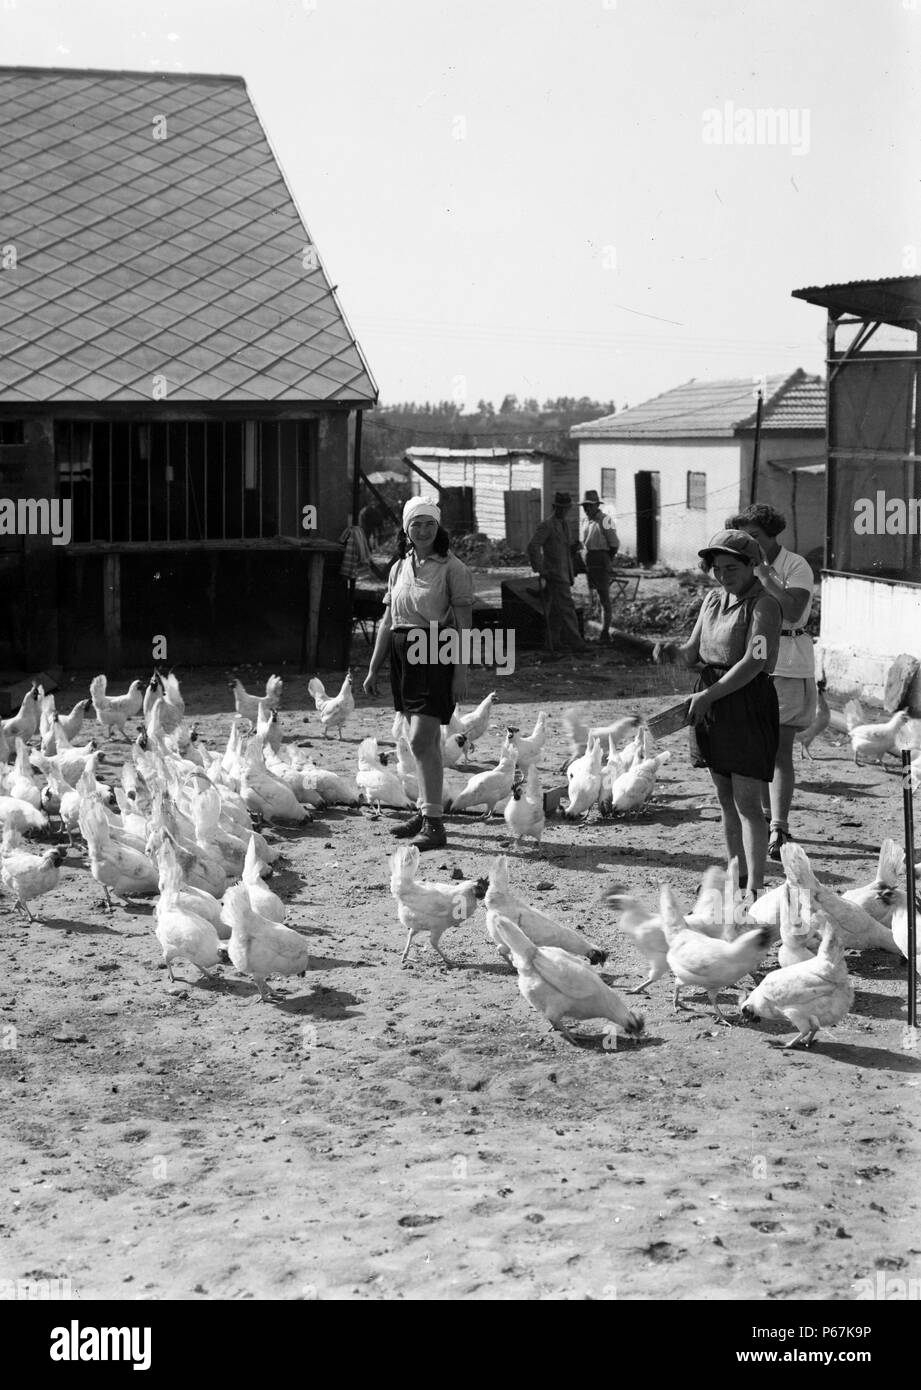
(710, 409)
(420, 452)
(137, 257)
(895, 300)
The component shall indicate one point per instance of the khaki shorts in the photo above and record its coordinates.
(796, 697)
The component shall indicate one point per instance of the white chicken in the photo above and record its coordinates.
(560, 985)
(249, 705)
(261, 897)
(375, 782)
(900, 933)
(536, 925)
(812, 994)
(195, 900)
(259, 947)
(114, 711)
(182, 932)
(333, 710)
(24, 723)
(454, 748)
(856, 928)
(528, 749)
(524, 811)
(22, 783)
(873, 741)
(406, 769)
(115, 867)
(704, 962)
(806, 737)
(428, 907)
(798, 941)
(584, 777)
(880, 897)
(333, 789)
(26, 875)
(488, 788)
(474, 724)
(633, 788)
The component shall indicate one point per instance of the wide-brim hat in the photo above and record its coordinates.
(591, 498)
(562, 499)
(737, 543)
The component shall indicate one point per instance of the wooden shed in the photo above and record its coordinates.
(502, 493)
(177, 377)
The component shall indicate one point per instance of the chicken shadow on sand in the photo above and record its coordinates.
(854, 1054)
(868, 1005)
(67, 924)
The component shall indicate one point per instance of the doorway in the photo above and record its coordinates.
(646, 484)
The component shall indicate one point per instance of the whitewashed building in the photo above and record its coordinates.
(673, 468)
(871, 583)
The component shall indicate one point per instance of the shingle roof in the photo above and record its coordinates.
(711, 409)
(139, 257)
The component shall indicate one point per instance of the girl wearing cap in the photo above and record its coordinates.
(427, 585)
(733, 711)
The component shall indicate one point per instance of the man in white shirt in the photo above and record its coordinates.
(787, 577)
(599, 544)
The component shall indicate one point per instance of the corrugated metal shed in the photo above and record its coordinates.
(154, 234)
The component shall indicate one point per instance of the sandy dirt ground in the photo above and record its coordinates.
(419, 1133)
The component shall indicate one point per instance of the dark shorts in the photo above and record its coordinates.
(418, 688)
(741, 732)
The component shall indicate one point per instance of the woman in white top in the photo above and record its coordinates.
(788, 578)
(428, 590)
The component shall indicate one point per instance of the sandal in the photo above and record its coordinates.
(779, 837)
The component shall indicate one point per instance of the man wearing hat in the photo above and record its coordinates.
(600, 543)
(550, 553)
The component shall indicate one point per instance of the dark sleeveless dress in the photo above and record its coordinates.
(741, 731)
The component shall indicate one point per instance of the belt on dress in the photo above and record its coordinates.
(792, 631)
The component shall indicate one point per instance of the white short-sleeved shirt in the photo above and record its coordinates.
(429, 592)
(797, 654)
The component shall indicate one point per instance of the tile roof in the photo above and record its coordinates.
(135, 256)
(714, 409)
(419, 451)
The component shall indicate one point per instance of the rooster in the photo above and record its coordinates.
(560, 985)
(114, 711)
(812, 994)
(873, 741)
(428, 907)
(333, 710)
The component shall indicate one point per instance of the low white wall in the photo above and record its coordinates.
(866, 624)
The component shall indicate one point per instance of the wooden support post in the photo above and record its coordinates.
(315, 569)
(112, 610)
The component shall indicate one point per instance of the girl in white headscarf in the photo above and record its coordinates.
(428, 590)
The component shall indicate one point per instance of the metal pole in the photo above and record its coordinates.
(757, 448)
(908, 812)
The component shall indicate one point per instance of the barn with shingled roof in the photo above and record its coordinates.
(177, 375)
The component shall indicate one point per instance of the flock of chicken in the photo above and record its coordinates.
(181, 825)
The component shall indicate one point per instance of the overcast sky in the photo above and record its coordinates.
(540, 196)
